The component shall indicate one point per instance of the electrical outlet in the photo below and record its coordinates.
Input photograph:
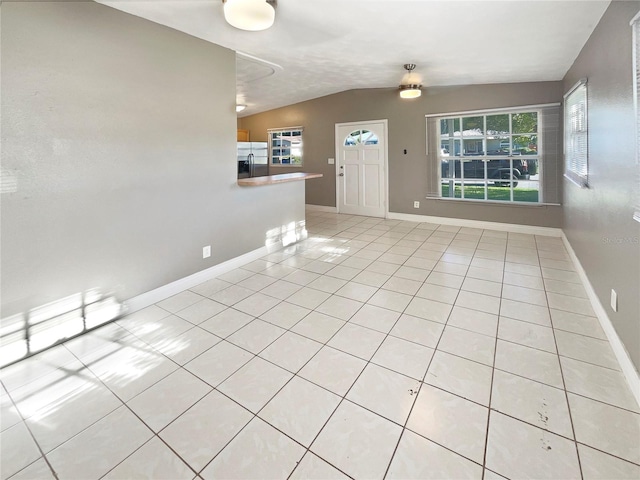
(206, 251)
(614, 300)
(416, 204)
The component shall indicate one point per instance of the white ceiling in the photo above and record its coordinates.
(319, 47)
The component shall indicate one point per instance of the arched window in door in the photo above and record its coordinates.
(361, 137)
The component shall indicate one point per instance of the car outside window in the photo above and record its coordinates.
(492, 157)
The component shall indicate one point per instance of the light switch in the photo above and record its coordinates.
(331, 161)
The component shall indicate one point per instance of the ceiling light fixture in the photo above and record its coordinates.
(251, 15)
(410, 90)
(239, 108)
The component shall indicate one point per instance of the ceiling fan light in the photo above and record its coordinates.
(410, 91)
(251, 15)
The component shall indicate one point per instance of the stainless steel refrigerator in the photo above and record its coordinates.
(253, 159)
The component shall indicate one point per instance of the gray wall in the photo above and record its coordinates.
(407, 130)
(598, 220)
(122, 136)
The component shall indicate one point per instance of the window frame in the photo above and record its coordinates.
(486, 157)
(576, 163)
(281, 157)
(635, 39)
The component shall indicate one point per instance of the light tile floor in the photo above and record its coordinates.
(374, 349)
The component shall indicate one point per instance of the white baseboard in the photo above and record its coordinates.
(460, 222)
(626, 364)
(321, 208)
(628, 368)
(153, 296)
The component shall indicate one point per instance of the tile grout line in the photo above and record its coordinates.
(42, 454)
(344, 397)
(256, 415)
(422, 382)
(493, 370)
(425, 373)
(125, 404)
(434, 387)
(524, 377)
(188, 371)
(564, 384)
(107, 387)
(323, 345)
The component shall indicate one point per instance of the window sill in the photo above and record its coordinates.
(577, 180)
(495, 202)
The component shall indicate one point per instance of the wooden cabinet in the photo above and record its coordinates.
(243, 135)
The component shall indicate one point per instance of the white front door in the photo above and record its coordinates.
(361, 153)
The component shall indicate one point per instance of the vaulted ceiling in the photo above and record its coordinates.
(319, 47)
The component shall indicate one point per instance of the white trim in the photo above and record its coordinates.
(426, 140)
(635, 19)
(320, 208)
(153, 296)
(577, 180)
(362, 121)
(628, 369)
(579, 83)
(507, 203)
(284, 129)
(490, 110)
(461, 222)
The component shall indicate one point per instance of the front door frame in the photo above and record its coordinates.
(385, 124)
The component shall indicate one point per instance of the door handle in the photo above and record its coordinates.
(341, 175)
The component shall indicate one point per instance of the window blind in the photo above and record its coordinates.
(635, 25)
(576, 141)
(433, 162)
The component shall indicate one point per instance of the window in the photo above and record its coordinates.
(576, 145)
(361, 137)
(285, 147)
(490, 157)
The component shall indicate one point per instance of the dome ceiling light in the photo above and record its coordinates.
(409, 89)
(250, 15)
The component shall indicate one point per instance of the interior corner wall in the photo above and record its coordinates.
(407, 130)
(121, 137)
(598, 221)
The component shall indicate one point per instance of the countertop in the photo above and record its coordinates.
(272, 179)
